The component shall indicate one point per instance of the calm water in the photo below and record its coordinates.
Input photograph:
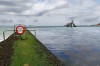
(78, 46)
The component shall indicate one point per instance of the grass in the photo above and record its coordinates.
(28, 51)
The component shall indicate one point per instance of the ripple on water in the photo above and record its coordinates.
(79, 46)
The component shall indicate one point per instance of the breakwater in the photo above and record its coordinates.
(27, 51)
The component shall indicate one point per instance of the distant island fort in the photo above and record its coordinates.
(71, 24)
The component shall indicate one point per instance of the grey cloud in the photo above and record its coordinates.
(16, 10)
(91, 19)
(13, 6)
(49, 10)
(46, 11)
(19, 6)
(5, 21)
(8, 3)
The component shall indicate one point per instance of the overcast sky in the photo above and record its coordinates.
(49, 12)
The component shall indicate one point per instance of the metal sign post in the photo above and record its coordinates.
(19, 31)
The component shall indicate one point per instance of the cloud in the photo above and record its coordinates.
(82, 11)
(5, 21)
(12, 6)
(8, 3)
(29, 7)
(41, 7)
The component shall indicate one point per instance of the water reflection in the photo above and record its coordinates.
(74, 46)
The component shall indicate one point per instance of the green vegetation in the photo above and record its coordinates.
(28, 51)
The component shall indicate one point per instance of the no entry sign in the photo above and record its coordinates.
(20, 30)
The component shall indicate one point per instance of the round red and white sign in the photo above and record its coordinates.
(20, 29)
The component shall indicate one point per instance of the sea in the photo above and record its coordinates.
(76, 46)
